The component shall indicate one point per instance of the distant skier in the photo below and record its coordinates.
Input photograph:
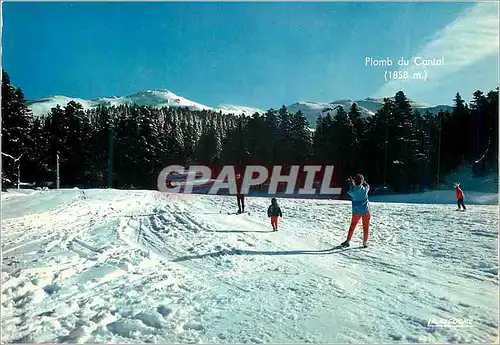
(358, 190)
(239, 196)
(273, 212)
(460, 196)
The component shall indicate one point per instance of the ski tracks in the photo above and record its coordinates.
(121, 266)
(91, 277)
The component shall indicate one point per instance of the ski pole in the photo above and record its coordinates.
(221, 206)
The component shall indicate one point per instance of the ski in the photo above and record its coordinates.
(236, 213)
(342, 248)
(338, 248)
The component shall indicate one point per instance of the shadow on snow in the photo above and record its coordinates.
(254, 252)
(242, 231)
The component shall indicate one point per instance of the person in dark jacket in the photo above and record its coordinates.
(273, 212)
(239, 196)
(358, 191)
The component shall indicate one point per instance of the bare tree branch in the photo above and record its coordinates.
(15, 159)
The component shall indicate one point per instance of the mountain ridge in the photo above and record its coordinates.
(166, 98)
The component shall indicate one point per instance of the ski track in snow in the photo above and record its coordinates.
(143, 266)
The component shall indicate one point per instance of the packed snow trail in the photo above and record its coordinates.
(142, 266)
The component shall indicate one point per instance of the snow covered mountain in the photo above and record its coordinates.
(42, 106)
(154, 98)
(166, 98)
(237, 109)
(367, 107)
(312, 110)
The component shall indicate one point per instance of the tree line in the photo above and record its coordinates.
(127, 146)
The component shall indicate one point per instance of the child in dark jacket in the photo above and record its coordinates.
(358, 191)
(273, 212)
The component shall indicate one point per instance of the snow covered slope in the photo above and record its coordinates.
(312, 110)
(154, 98)
(42, 106)
(107, 266)
(238, 109)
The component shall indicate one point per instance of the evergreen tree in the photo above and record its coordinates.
(41, 168)
(189, 140)
(411, 160)
(260, 145)
(207, 151)
(301, 144)
(380, 134)
(478, 107)
(129, 145)
(485, 115)
(442, 143)
(270, 136)
(492, 121)
(235, 149)
(344, 143)
(323, 140)
(16, 140)
(360, 135)
(460, 149)
(173, 140)
(284, 137)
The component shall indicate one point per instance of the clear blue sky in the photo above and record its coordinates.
(256, 54)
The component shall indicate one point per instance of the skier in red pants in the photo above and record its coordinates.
(273, 212)
(358, 190)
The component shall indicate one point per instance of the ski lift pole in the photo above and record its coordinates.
(221, 206)
(439, 153)
(57, 170)
(386, 147)
(17, 161)
(18, 175)
(110, 155)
